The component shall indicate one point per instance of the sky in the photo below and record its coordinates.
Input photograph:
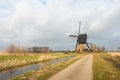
(50, 22)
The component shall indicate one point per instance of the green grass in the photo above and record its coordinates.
(46, 72)
(104, 69)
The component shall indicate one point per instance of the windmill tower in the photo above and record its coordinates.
(81, 43)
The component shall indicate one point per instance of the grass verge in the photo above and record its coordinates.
(10, 61)
(104, 69)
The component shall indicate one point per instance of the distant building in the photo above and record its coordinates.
(39, 49)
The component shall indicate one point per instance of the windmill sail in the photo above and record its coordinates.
(73, 36)
(79, 28)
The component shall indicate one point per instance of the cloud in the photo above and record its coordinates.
(48, 23)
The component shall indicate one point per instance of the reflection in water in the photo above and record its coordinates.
(6, 75)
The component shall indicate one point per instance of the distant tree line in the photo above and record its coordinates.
(100, 49)
(96, 48)
(16, 49)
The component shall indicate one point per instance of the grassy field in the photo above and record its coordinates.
(114, 58)
(104, 67)
(46, 72)
(9, 61)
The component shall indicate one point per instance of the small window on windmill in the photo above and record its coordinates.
(82, 38)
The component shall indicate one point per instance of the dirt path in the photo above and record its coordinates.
(80, 70)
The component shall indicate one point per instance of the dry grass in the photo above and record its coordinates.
(114, 54)
(104, 69)
(114, 58)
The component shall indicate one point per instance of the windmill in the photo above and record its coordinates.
(82, 40)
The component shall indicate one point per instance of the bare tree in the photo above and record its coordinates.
(118, 48)
(103, 49)
(24, 49)
(10, 48)
(98, 49)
